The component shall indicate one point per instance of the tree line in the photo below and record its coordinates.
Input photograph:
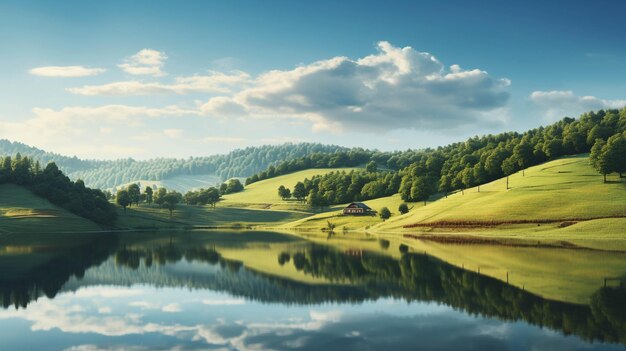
(342, 187)
(51, 184)
(163, 198)
(110, 174)
(468, 164)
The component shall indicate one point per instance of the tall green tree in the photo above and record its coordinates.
(123, 199)
(299, 191)
(170, 200)
(509, 166)
(283, 192)
(599, 159)
(371, 167)
(148, 191)
(135, 193)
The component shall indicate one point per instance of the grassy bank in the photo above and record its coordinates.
(23, 212)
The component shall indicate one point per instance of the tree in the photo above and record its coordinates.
(171, 199)
(123, 199)
(445, 185)
(135, 193)
(283, 192)
(233, 186)
(384, 213)
(403, 208)
(509, 166)
(148, 193)
(616, 149)
(213, 196)
(371, 167)
(299, 191)
(523, 153)
(468, 177)
(159, 198)
(599, 159)
(191, 198)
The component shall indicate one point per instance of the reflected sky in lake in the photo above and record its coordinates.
(145, 317)
(163, 294)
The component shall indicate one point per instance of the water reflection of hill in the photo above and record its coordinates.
(354, 279)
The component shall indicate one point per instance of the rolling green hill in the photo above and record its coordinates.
(560, 199)
(23, 212)
(564, 189)
(266, 191)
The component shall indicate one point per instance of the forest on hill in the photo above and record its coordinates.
(50, 183)
(478, 160)
(109, 174)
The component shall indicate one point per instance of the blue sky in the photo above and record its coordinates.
(146, 79)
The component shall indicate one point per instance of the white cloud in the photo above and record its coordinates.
(392, 89)
(173, 133)
(171, 308)
(104, 310)
(222, 302)
(66, 71)
(217, 82)
(145, 62)
(557, 104)
(50, 128)
(106, 292)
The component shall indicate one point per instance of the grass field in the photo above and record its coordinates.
(564, 190)
(335, 216)
(23, 212)
(186, 216)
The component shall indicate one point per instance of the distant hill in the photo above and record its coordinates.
(109, 174)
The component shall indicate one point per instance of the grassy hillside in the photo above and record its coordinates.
(559, 199)
(567, 188)
(266, 191)
(335, 216)
(23, 212)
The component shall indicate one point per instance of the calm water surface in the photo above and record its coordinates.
(270, 291)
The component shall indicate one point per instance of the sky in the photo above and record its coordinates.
(147, 79)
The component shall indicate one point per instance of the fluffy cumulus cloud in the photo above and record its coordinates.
(213, 82)
(145, 62)
(392, 89)
(557, 104)
(66, 71)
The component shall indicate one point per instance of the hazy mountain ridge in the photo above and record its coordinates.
(108, 174)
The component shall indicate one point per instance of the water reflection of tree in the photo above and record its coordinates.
(47, 280)
(356, 276)
(422, 278)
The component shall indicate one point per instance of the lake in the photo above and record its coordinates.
(210, 290)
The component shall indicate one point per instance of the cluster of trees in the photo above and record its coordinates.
(169, 199)
(231, 186)
(110, 174)
(51, 184)
(202, 197)
(476, 161)
(342, 187)
(609, 156)
(161, 197)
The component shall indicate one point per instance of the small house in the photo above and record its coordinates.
(357, 208)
